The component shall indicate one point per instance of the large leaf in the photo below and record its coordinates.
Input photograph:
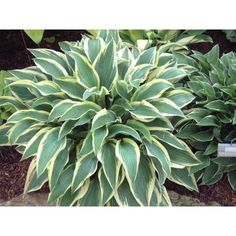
(103, 117)
(167, 108)
(99, 136)
(106, 66)
(110, 163)
(151, 90)
(41, 116)
(118, 129)
(78, 110)
(57, 165)
(49, 148)
(62, 185)
(85, 167)
(144, 110)
(182, 177)
(86, 73)
(157, 150)
(127, 151)
(143, 185)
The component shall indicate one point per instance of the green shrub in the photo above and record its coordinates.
(231, 35)
(211, 118)
(148, 38)
(6, 111)
(97, 118)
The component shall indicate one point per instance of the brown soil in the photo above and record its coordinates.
(12, 173)
(14, 55)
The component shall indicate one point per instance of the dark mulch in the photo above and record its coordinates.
(220, 192)
(218, 37)
(12, 173)
(14, 55)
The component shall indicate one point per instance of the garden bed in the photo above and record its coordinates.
(13, 55)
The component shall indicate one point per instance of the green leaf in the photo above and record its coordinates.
(138, 74)
(140, 127)
(103, 117)
(35, 35)
(180, 97)
(183, 177)
(210, 173)
(67, 128)
(86, 72)
(106, 66)
(160, 124)
(70, 199)
(34, 182)
(57, 165)
(127, 151)
(167, 108)
(232, 179)
(3, 134)
(118, 129)
(144, 183)
(124, 196)
(41, 116)
(158, 167)
(93, 47)
(217, 105)
(147, 56)
(87, 146)
(62, 185)
(60, 108)
(181, 157)
(99, 136)
(203, 136)
(51, 67)
(92, 196)
(106, 189)
(78, 110)
(110, 164)
(49, 148)
(122, 88)
(168, 138)
(157, 150)
(71, 87)
(85, 167)
(144, 110)
(210, 120)
(13, 102)
(198, 113)
(17, 130)
(151, 90)
(172, 74)
(204, 162)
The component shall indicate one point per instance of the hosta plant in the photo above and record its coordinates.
(211, 118)
(97, 120)
(231, 35)
(180, 39)
(6, 111)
